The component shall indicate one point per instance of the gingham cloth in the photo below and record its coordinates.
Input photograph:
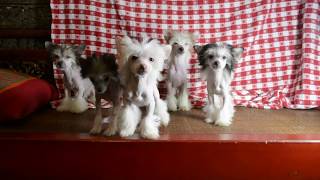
(280, 66)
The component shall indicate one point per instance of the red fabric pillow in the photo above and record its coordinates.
(20, 95)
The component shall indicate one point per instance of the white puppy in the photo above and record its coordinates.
(66, 57)
(177, 83)
(217, 61)
(140, 67)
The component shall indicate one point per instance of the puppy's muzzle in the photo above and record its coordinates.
(180, 49)
(141, 70)
(59, 64)
(99, 90)
(215, 64)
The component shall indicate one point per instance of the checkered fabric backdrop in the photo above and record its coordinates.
(280, 66)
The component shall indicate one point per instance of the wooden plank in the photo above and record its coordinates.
(35, 156)
(23, 54)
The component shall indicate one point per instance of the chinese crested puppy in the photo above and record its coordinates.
(177, 82)
(77, 89)
(217, 63)
(142, 63)
(103, 73)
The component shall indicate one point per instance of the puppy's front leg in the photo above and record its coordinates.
(81, 88)
(211, 111)
(150, 123)
(97, 124)
(161, 108)
(227, 110)
(184, 103)
(171, 97)
(113, 126)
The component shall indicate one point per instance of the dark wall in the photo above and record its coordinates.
(24, 27)
(24, 14)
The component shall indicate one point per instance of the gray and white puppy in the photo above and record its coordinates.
(65, 57)
(103, 72)
(177, 82)
(217, 61)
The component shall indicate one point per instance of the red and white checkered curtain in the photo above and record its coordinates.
(280, 66)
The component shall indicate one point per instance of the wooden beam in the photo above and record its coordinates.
(79, 156)
(23, 54)
(25, 33)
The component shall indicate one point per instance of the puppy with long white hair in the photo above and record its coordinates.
(177, 82)
(140, 70)
(217, 61)
(77, 89)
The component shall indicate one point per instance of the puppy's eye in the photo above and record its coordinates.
(151, 59)
(134, 58)
(224, 57)
(68, 57)
(175, 43)
(210, 56)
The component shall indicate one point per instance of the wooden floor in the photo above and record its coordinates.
(246, 121)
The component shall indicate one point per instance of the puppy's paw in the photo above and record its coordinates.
(165, 118)
(184, 103)
(62, 108)
(127, 132)
(65, 105)
(149, 129)
(172, 104)
(208, 120)
(78, 105)
(95, 130)
(150, 133)
(185, 107)
(223, 123)
(110, 131)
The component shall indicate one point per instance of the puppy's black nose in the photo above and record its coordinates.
(141, 69)
(99, 89)
(59, 64)
(181, 49)
(215, 64)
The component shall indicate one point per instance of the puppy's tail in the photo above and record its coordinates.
(161, 110)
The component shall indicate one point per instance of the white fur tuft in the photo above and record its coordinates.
(161, 110)
(65, 105)
(78, 105)
(129, 119)
(150, 127)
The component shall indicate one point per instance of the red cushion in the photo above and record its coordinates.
(21, 97)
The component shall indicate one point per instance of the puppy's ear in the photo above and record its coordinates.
(236, 52)
(197, 48)
(110, 61)
(167, 50)
(49, 45)
(168, 34)
(85, 65)
(79, 49)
